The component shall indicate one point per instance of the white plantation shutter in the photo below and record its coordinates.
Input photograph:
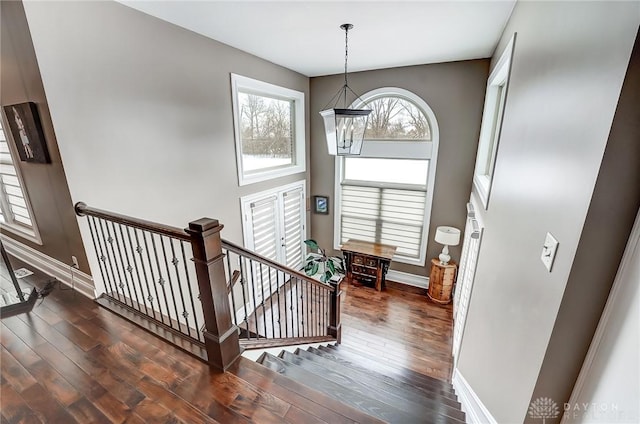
(263, 239)
(263, 234)
(274, 227)
(274, 223)
(293, 206)
(384, 215)
(14, 210)
(466, 275)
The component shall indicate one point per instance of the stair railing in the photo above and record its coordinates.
(274, 305)
(203, 294)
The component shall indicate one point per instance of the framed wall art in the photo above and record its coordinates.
(321, 205)
(26, 130)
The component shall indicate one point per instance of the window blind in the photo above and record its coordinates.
(384, 215)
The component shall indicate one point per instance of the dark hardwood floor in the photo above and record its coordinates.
(399, 327)
(70, 360)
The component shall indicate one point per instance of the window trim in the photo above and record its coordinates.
(394, 149)
(491, 127)
(239, 82)
(28, 233)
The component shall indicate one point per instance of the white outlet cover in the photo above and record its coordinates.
(549, 251)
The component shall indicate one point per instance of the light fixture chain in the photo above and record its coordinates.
(346, 52)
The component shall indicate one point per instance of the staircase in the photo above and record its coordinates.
(390, 393)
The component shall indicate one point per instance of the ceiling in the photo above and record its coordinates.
(305, 36)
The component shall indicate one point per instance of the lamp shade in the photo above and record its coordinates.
(448, 236)
(344, 130)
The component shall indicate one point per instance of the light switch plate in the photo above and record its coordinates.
(549, 251)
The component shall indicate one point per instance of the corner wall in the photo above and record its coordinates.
(45, 184)
(613, 208)
(568, 68)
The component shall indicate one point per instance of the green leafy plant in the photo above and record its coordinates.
(318, 261)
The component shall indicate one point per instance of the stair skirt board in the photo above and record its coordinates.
(471, 403)
(391, 394)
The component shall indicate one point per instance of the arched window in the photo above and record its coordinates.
(396, 118)
(385, 194)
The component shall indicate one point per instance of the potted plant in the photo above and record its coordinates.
(318, 261)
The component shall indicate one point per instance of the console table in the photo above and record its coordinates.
(367, 262)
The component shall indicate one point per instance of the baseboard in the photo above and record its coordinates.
(81, 282)
(408, 279)
(472, 406)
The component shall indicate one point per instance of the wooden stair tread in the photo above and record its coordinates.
(396, 372)
(369, 385)
(409, 372)
(326, 408)
(341, 393)
(409, 391)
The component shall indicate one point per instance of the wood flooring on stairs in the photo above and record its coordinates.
(70, 360)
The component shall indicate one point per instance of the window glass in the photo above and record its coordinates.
(395, 118)
(269, 130)
(266, 128)
(398, 171)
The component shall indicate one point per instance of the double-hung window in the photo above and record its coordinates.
(15, 210)
(385, 194)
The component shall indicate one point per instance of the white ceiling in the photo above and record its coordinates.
(305, 36)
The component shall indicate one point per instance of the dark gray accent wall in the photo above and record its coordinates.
(455, 93)
(45, 184)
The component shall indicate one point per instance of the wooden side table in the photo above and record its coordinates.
(367, 262)
(441, 281)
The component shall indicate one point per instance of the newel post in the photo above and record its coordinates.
(335, 326)
(220, 335)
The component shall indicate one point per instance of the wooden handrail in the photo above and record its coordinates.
(220, 334)
(257, 257)
(82, 209)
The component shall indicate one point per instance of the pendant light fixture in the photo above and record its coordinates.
(344, 127)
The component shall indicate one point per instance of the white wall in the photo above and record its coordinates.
(610, 382)
(568, 68)
(142, 112)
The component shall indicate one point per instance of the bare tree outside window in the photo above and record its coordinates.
(395, 118)
(266, 127)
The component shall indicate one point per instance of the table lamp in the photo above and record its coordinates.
(449, 236)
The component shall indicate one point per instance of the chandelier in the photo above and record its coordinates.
(344, 127)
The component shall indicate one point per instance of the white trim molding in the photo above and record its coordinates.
(241, 84)
(621, 278)
(472, 406)
(408, 279)
(494, 106)
(62, 272)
